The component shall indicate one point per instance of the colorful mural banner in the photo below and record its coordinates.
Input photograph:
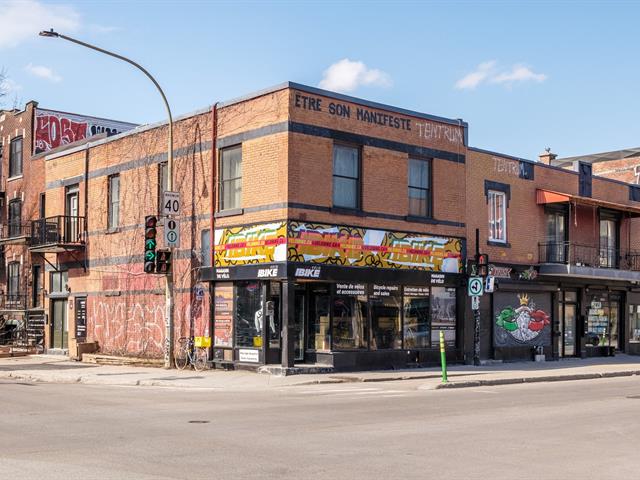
(336, 245)
(53, 129)
(522, 319)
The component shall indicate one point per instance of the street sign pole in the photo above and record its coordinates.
(476, 313)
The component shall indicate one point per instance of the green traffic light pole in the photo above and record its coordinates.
(169, 294)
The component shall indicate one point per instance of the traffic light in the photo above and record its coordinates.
(150, 243)
(163, 261)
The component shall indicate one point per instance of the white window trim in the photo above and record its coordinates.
(493, 194)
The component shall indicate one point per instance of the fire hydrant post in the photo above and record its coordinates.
(443, 358)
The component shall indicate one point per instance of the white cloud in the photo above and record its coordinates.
(24, 19)
(519, 73)
(490, 72)
(43, 72)
(346, 76)
(471, 80)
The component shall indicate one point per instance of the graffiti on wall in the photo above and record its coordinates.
(521, 320)
(53, 129)
(336, 245)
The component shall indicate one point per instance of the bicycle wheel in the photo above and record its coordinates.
(181, 356)
(201, 359)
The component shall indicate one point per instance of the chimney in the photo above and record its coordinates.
(547, 157)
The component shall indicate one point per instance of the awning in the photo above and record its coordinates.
(544, 197)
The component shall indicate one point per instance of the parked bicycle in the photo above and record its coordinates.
(192, 351)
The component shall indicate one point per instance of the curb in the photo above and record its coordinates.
(551, 378)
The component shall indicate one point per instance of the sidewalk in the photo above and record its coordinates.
(55, 369)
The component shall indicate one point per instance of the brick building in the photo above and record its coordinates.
(341, 230)
(25, 136)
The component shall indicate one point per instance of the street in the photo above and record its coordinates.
(375, 430)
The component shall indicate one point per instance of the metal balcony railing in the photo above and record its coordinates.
(13, 301)
(14, 230)
(57, 230)
(588, 255)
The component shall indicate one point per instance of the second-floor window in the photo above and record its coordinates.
(497, 216)
(13, 281)
(15, 157)
(419, 194)
(114, 201)
(15, 218)
(205, 238)
(231, 178)
(346, 177)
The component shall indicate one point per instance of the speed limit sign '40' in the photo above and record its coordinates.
(170, 203)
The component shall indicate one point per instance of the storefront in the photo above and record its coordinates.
(354, 298)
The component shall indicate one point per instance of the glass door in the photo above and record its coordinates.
(569, 330)
(71, 233)
(59, 326)
(614, 318)
(608, 243)
(298, 326)
(556, 236)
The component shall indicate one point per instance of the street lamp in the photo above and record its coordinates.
(169, 323)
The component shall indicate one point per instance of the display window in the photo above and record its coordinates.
(349, 322)
(223, 315)
(386, 317)
(417, 325)
(634, 323)
(319, 334)
(443, 314)
(249, 315)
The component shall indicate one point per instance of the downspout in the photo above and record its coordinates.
(214, 174)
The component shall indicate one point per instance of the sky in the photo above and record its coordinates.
(525, 75)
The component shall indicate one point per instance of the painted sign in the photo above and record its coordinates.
(336, 245)
(54, 129)
(223, 315)
(248, 355)
(522, 319)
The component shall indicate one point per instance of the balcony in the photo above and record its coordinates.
(588, 261)
(15, 233)
(60, 233)
(11, 301)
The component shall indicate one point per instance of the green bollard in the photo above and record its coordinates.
(443, 358)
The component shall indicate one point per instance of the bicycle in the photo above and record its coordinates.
(188, 353)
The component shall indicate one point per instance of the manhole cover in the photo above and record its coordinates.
(198, 421)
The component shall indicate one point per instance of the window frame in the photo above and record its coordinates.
(358, 179)
(428, 189)
(222, 181)
(11, 277)
(206, 254)
(492, 209)
(113, 207)
(12, 157)
(14, 227)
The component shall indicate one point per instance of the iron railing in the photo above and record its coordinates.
(57, 230)
(588, 255)
(13, 301)
(14, 230)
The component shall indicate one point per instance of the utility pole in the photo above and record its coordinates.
(169, 292)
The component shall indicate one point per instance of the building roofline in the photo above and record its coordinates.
(88, 116)
(602, 156)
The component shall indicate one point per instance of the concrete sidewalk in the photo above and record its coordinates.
(55, 369)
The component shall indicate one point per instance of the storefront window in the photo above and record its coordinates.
(443, 314)
(349, 322)
(634, 323)
(273, 315)
(223, 315)
(416, 317)
(386, 301)
(319, 333)
(598, 321)
(249, 318)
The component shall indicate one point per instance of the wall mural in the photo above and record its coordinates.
(53, 129)
(336, 245)
(522, 319)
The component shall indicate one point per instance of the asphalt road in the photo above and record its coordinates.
(584, 429)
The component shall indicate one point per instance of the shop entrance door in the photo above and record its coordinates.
(614, 319)
(568, 324)
(59, 326)
(298, 326)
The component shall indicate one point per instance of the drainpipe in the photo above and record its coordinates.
(214, 174)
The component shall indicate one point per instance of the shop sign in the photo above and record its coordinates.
(271, 272)
(500, 272)
(248, 355)
(529, 274)
(416, 291)
(437, 279)
(223, 315)
(351, 289)
(313, 272)
(222, 273)
(385, 290)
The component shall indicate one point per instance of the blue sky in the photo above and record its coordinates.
(525, 75)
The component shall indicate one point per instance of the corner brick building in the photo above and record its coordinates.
(325, 229)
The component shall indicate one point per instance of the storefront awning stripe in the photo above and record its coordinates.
(547, 196)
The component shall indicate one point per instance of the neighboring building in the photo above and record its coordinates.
(341, 230)
(623, 165)
(24, 136)
(564, 247)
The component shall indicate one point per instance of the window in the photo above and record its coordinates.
(59, 281)
(163, 182)
(205, 242)
(15, 218)
(419, 194)
(443, 314)
(13, 281)
(15, 157)
(249, 315)
(36, 282)
(42, 206)
(231, 178)
(497, 216)
(556, 246)
(417, 327)
(386, 307)
(608, 242)
(114, 202)
(346, 177)
(349, 322)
